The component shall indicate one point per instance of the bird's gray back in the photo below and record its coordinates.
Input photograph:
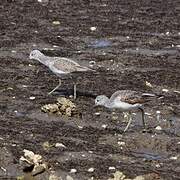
(67, 65)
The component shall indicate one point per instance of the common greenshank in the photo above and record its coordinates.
(60, 66)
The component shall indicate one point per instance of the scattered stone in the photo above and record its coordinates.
(56, 23)
(57, 145)
(31, 157)
(159, 128)
(51, 108)
(112, 168)
(148, 114)
(173, 158)
(35, 164)
(80, 127)
(158, 165)
(63, 106)
(149, 84)
(114, 118)
(91, 169)
(24, 86)
(32, 98)
(3, 169)
(93, 28)
(97, 113)
(92, 63)
(69, 177)
(73, 171)
(121, 143)
(118, 175)
(139, 178)
(54, 177)
(46, 146)
(104, 126)
(165, 90)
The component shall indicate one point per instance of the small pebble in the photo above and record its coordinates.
(115, 117)
(80, 127)
(92, 62)
(158, 165)
(3, 169)
(54, 46)
(158, 112)
(148, 114)
(112, 168)
(69, 177)
(165, 90)
(173, 158)
(60, 145)
(32, 98)
(97, 113)
(177, 91)
(159, 128)
(92, 28)
(56, 22)
(104, 126)
(24, 86)
(148, 84)
(121, 143)
(91, 170)
(73, 171)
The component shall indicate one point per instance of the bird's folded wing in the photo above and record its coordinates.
(68, 65)
(128, 96)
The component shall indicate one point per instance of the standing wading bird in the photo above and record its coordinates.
(60, 66)
(125, 100)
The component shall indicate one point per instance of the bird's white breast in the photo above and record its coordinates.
(123, 106)
(55, 70)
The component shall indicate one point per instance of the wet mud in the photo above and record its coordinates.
(132, 45)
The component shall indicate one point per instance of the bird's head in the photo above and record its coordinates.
(101, 100)
(35, 54)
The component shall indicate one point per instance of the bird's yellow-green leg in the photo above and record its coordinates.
(55, 87)
(143, 119)
(129, 118)
(75, 94)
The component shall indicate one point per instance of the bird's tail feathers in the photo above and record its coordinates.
(149, 95)
(83, 68)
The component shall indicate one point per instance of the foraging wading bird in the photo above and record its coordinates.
(125, 100)
(59, 65)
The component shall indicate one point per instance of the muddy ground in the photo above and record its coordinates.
(134, 44)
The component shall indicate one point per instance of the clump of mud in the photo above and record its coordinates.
(63, 107)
